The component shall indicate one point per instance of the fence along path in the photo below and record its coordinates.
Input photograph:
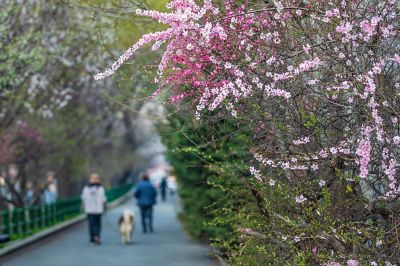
(169, 245)
(19, 223)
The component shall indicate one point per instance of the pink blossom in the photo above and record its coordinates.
(344, 27)
(314, 251)
(300, 199)
(310, 64)
(352, 263)
(364, 151)
(255, 173)
(303, 140)
(396, 58)
(314, 167)
(333, 263)
(333, 150)
(224, 62)
(323, 154)
(369, 27)
(148, 38)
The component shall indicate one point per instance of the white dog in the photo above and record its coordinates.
(126, 225)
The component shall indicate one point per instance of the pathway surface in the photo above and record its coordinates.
(169, 245)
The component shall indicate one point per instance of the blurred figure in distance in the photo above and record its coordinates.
(172, 186)
(163, 188)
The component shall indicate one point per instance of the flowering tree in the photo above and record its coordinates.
(22, 163)
(43, 91)
(48, 51)
(24, 82)
(318, 83)
(26, 50)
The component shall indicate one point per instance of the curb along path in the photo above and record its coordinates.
(21, 243)
(169, 245)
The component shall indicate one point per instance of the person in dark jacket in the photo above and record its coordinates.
(163, 188)
(146, 193)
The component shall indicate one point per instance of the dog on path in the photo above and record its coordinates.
(126, 225)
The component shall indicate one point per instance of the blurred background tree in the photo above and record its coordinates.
(55, 120)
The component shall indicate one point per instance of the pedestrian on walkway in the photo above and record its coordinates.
(146, 193)
(163, 188)
(94, 202)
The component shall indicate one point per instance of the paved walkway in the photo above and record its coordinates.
(169, 245)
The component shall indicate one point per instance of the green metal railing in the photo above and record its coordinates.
(22, 222)
(116, 192)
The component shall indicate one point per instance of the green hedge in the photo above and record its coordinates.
(211, 186)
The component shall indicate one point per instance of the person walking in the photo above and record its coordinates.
(94, 202)
(163, 188)
(146, 193)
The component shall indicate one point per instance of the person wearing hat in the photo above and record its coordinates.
(94, 202)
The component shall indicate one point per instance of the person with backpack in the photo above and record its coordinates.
(94, 203)
(145, 194)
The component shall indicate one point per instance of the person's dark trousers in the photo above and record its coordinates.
(94, 221)
(163, 194)
(147, 217)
